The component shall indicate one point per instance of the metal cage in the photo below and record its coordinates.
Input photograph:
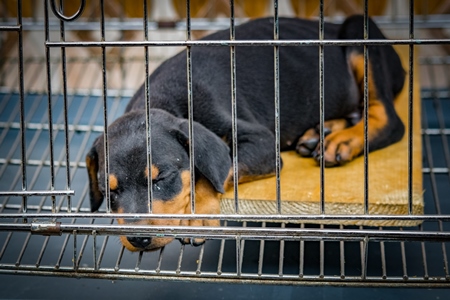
(57, 98)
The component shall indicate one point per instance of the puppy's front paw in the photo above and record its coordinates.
(192, 241)
(341, 147)
(309, 141)
(198, 241)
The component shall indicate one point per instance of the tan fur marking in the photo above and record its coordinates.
(243, 177)
(155, 172)
(336, 124)
(349, 142)
(376, 111)
(248, 178)
(113, 182)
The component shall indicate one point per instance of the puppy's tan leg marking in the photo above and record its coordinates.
(344, 145)
(206, 202)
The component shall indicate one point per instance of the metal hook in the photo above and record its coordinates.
(63, 17)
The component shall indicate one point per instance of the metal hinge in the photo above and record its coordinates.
(46, 228)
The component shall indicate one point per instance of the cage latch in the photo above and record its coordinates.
(46, 228)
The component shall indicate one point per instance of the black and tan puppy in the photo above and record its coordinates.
(211, 83)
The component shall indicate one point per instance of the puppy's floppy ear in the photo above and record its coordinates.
(96, 196)
(212, 155)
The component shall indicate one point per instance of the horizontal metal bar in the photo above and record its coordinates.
(45, 126)
(111, 24)
(436, 131)
(36, 162)
(436, 170)
(227, 43)
(286, 279)
(441, 94)
(229, 277)
(37, 193)
(10, 28)
(247, 233)
(40, 208)
(230, 217)
(434, 60)
(99, 128)
(84, 92)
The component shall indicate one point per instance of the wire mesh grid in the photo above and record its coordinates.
(46, 226)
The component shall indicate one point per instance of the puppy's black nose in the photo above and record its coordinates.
(139, 242)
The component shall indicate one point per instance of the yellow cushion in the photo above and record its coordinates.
(344, 186)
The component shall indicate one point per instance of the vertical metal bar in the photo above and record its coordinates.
(322, 256)
(190, 106)
(394, 11)
(441, 120)
(122, 50)
(234, 110)
(302, 255)
(22, 108)
(404, 265)
(200, 260)
(148, 120)
(342, 255)
(366, 110)
(221, 251)
(22, 251)
(276, 54)
(424, 257)
(35, 178)
(93, 118)
(74, 257)
(17, 177)
(434, 188)
(83, 246)
(322, 108)
(5, 244)
(66, 240)
(383, 259)
(241, 249)
(105, 108)
(41, 253)
(50, 115)
(160, 257)
(261, 253)
(281, 255)
(364, 256)
(238, 255)
(66, 127)
(180, 260)
(119, 259)
(102, 250)
(445, 261)
(410, 108)
(139, 260)
(94, 249)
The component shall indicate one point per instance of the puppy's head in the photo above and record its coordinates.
(169, 171)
